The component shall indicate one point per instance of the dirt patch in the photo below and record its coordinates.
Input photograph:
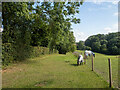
(13, 69)
(41, 84)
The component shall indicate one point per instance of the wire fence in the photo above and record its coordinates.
(101, 67)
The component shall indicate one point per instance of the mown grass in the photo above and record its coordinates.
(51, 71)
(101, 66)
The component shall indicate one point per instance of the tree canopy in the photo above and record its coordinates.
(107, 44)
(46, 24)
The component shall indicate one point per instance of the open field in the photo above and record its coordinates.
(33, 33)
(51, 71)
(101, 66)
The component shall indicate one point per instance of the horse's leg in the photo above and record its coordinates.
(86, 57)
(80, 62)
(77, 62)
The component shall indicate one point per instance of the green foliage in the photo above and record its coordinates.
(53, 28)
(107, 44)
(73, 48)
(43, 24)
(87, 48)
(16, 34)
(67, 43)
(55, 51)
(37, 51)
(81, 46)
(96, 46)
(9, 53)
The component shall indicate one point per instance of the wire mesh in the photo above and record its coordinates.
(101, 67)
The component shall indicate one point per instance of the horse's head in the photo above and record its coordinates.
(93, 54)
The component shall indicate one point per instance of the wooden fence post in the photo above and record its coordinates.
(92, 64)
(110, 74)
(85, 58)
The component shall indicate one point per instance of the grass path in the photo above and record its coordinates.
(51, 71)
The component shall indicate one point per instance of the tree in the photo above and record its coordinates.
(58, 18)
(108, 44)
(103, 42)
(103, 48)
(62, 15)
(80, 45)
(96, 46)
(87, 48)
(17, 23)
(90, 40)
(45, 24)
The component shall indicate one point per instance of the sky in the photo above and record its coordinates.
(96, 18)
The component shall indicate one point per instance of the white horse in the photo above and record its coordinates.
(89, 53)
(80, 60)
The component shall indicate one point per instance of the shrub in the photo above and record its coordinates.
(7, 54)
(13, 53)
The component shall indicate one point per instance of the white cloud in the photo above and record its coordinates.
(97, 2)
(113, 28)
(115, 2)
(101, 1)
(80, 36)
(101, 8)
(107, 28)
(115, 14)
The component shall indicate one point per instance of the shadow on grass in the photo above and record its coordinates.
(67, 61)
(74, 64)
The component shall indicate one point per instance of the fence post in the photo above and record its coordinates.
(92, 64)
(110, 74)
(85, 58)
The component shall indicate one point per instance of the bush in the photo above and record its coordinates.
(87, 48)
(55, 51)
(76, 54)
(37, 51)
(11, 54)
(7, 54)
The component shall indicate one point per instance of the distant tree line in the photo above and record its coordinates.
(106, 44)
(81, 46)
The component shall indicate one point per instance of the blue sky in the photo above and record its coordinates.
(96, 18)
